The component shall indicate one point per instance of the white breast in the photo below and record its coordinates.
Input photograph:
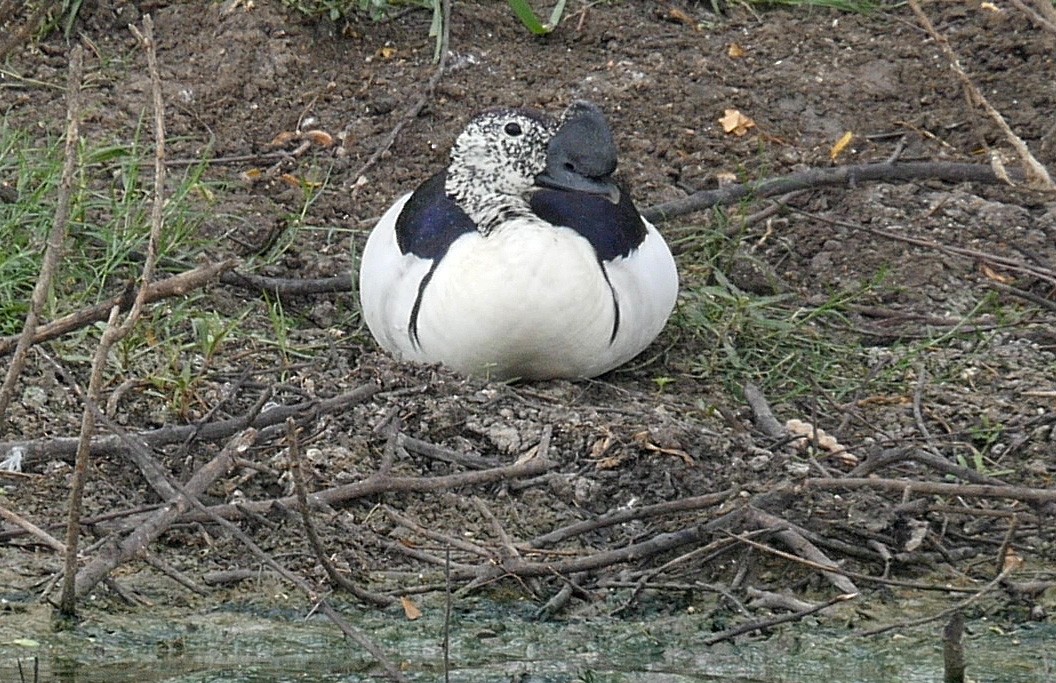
(529, 301)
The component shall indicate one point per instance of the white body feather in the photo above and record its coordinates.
(529, 300)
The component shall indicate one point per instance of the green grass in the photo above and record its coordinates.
(794, 350)
(103, 254)
(108, 226)
(336, 10)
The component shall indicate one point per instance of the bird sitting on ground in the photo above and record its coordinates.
(523, 259)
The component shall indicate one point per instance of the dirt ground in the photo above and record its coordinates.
(663, 430)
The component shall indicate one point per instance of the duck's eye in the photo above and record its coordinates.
(513, 129)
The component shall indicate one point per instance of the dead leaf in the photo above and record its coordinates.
(1012, 562)
(613, 461)
(320, 137)
(735, 51)
(841, 145)
(736, 123)
(283, 138)
(825, 442)
(386, 52)
(410, 610)
(290, 179)
(996, 276)
(251, 176)
(601, 446)
(642, 439)
(724, 178)
(678, 16)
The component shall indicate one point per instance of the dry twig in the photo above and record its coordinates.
(115, 332)
(57, 234)
(177, 285)
(1037, 175)
(907, 486)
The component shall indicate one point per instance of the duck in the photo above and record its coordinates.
(523, 259)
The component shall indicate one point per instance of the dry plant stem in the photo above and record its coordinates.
(936, 462)
(623, 516)
(297, 469)
(362, 640)
(770, 623)
(57, 234)
(376, 485)
(906, 486)
(156, 524)
(795, 541)
(114, 333)
(960, 606)
(657, 544)
(425, 532)
(173, 573)
(177, 285)
(1042, 273)
(32, 529)
(825, 177)
(953, 649)
(62, 447)
(1037, 176)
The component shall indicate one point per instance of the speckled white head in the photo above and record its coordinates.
(494, 163)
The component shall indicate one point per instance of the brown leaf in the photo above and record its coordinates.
(283, 138)
(996, 276)
(642, 439)
(735, 51)
(320, 137)
(841, 145)
(680, 17)
(410, 610)
(736, 123)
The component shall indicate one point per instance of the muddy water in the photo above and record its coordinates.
(249, 645)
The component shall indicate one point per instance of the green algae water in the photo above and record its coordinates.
(244, 645)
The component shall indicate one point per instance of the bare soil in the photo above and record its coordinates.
(984, 402)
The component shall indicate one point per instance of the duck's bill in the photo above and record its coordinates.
(570, 181)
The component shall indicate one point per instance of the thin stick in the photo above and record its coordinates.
(814, 178)
(57, 235)
(1022, 493)
(298, 466)
(447, 614)
(177, 285)
(158, 522)
(769, 623)
(115, 332)
(32, 529)
(1037, 176)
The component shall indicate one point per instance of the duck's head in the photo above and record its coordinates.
(581, 156)
(503, 155)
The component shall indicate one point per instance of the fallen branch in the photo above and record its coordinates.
(66, 447)
(377, 485)
(1037, 175)
(907, 486)
(177, 285)
(790, 535)
(297, 469)
(815, 178)
(763, 624)
(156, 523)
